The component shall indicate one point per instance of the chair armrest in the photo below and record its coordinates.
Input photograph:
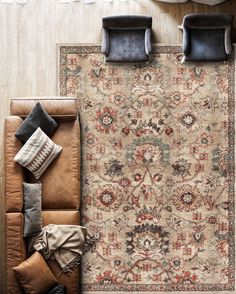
(148, 43)
(105, 42)
(185, 40)
(228, 43)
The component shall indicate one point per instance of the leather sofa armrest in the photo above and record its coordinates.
(228, 43)
(148, 44)
(15, 249)
(14, 174)
(105, 42)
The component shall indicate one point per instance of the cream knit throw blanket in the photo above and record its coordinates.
(63, 243)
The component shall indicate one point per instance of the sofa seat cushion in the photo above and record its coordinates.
(63, 217)
(60, 217)
(71, 283)
(60, 183)
(35, 275)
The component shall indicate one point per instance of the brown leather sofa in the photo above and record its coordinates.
(60, 183)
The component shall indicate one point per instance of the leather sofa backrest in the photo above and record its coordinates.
(60, 108)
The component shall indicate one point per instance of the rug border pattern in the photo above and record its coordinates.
(88, 49)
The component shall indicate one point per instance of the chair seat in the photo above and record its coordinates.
(127, 46)
(206, 45)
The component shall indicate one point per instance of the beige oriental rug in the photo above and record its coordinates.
(158, 171)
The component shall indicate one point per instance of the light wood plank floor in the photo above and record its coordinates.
(29, 34)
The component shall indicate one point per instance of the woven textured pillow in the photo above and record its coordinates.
(38, 117)
(32, 208)
(34, 275)
(38, 153)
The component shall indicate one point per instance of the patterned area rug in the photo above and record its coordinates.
(158, 171)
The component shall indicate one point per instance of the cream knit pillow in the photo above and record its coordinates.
(38, 153)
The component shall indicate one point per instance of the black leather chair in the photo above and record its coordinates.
(126, 38)
(207, 37)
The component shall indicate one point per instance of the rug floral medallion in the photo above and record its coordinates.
(157, 170)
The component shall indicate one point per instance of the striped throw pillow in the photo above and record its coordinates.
(38, 153)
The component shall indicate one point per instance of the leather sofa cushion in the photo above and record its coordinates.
(34, 275)
(60, 217)
(71, 282)
(16, 250)
(14, 174)
(60, 182)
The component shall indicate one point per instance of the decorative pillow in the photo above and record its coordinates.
(38, 153)
(32, 208)
(38, 117)
(34, 275)
(60, 289)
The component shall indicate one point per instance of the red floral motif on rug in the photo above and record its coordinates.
(158, 170)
